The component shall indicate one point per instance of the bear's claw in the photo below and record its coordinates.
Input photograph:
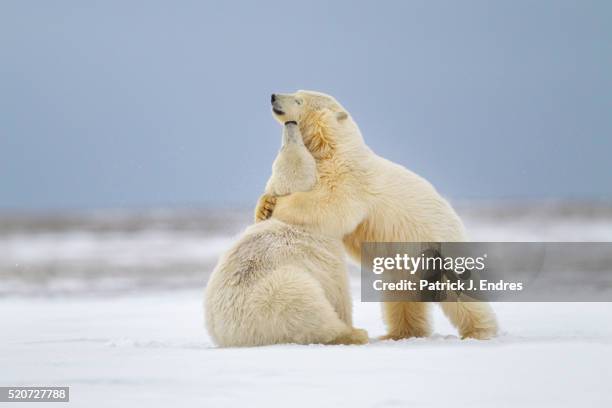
(265, 207)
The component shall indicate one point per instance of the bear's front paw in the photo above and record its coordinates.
(265, 207)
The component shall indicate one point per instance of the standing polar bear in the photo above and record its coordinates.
(365, 198)
(283, 283)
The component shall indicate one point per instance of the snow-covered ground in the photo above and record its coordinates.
(140, 344)
(152, 350)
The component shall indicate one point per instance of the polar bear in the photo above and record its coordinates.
(294, 169)
(282, 283)
(366, 198)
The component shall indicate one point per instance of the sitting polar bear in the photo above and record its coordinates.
(365, 198)
(282, 283)
(294, 168)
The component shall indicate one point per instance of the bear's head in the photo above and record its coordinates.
(325, 125)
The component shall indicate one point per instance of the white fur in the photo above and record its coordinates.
(361, 197)
(282, 283)
(294, 168)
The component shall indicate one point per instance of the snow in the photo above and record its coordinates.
(152, 350)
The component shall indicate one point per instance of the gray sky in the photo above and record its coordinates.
(112, 104)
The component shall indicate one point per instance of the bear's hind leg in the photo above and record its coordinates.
(355, 336)
(291, 307)
(406, 319)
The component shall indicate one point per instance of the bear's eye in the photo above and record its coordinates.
(299, 102)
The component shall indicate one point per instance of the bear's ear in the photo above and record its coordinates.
(341, 116)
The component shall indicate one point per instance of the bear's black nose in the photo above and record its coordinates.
(273, 98)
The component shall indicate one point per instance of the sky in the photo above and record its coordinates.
(151, 104)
